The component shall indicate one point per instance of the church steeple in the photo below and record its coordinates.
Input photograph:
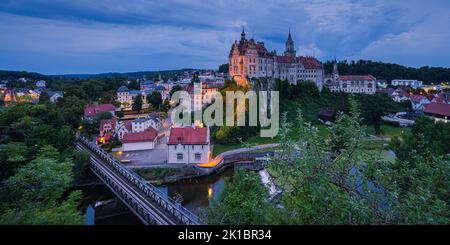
(290, 50)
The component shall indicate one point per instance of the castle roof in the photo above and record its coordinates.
(244, 45)
(284, 59)
(309, 62)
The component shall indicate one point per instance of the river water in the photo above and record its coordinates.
(194, 194)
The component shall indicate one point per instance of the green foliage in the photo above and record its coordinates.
(137, 104)
(195, 79)
(242, 201)
(333, 179)
(389, 71)
(155, 99)
(175, 89)
(33, 194)
(223, 68)
(44, 97)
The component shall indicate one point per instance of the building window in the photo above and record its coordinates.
(179, 156)
(198, 156)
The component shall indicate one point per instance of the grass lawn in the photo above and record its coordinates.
(389, 131)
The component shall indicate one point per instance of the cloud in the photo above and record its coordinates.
(61, 36)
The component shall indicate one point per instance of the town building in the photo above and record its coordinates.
(188, 145)
(440, 112)
(126, 97)
(55, 95)
(145, 140)
(357, 84)
(203, 97)
(399, 95)
(250, 59)
(142, 124)
(123, 127)
(40, 84)
(107, 125)
(91, 111)
(419, 101)
(407, 83)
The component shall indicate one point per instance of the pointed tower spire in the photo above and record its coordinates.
(243, 34)
(289, 36)
(290, 50)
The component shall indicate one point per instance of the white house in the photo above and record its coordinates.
(407, 83)
(189, 145)
(122, 128)
(399, 95)
(145, 140)
(40, 84)
(55, 95)
(141, 124)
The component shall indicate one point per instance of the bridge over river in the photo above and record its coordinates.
(147, 202)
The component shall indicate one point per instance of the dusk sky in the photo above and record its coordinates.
(81, 36)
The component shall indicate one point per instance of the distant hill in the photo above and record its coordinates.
(13, 75)
(389, 72)
(128, 75)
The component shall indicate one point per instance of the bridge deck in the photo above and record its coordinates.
(143, 199)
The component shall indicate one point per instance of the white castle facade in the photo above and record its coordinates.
(250, 59)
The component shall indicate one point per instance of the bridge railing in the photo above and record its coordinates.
(166, 202)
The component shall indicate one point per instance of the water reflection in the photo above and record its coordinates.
(198, 193)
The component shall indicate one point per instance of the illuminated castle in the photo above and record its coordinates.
(250, 59)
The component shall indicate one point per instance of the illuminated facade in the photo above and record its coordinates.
(250, 59)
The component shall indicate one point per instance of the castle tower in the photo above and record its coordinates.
(290, 50)
(243, 34)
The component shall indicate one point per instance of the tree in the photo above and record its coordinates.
(155, 99)
(44, 97)
(375, 106)
(242, 201)
(175, 89)
(137, 104)
(223, 68)
(72, 109)
(12, 156)
(120, 114)
(195, 79)
(333, 179)
(33, 194)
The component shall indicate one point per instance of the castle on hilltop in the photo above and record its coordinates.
(250, 59)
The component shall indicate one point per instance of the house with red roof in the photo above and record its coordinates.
(145, 140)
(440, 112)
(441, 98)
(107, 125)
(418, 101)
(399, 95)
(188, 145)
(91, 111)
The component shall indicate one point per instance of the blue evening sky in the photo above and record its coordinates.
(84, 36)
